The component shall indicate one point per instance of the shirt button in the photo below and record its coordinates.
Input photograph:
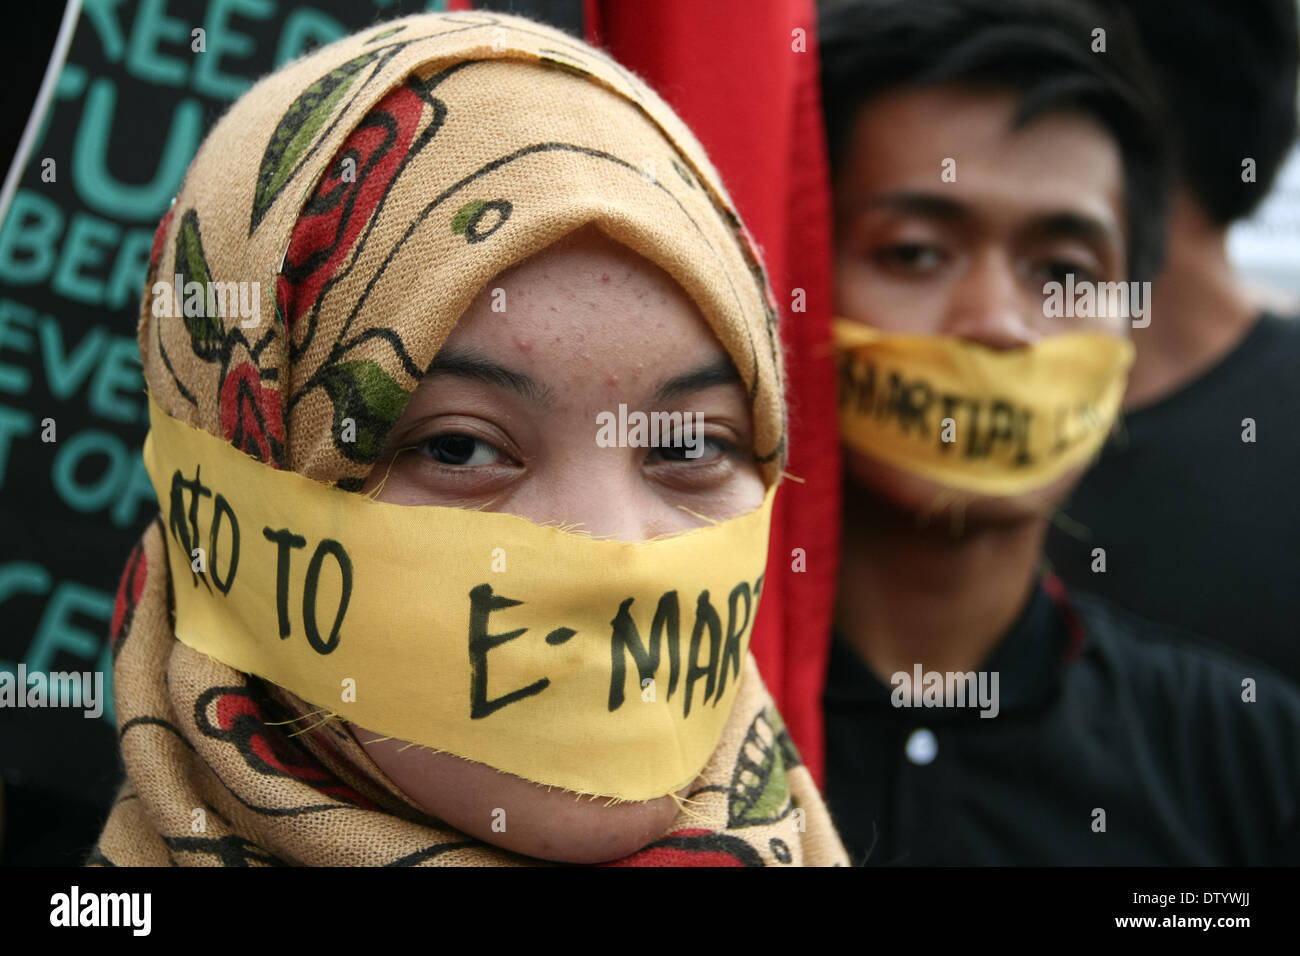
(922, 747)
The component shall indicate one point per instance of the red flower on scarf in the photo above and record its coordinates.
(129, 589)
(160, 234)
(692, 846)
(345, 198)
(250, 415)
(231, 714)
(156, 249)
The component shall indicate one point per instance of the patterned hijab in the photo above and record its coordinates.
(371, 189)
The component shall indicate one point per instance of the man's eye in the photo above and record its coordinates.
(909, 257)
(463, 450)
(1057, 270)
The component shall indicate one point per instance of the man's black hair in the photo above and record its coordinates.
(1227, 71)
(1041, 48)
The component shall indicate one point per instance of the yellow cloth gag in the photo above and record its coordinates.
(974, 418)
(603, 667)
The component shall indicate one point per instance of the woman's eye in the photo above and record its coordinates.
(459, 450)
(910, 257)
(700, 449)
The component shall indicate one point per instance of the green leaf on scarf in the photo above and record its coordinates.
(365, 393)
(563, 61)
(759, 792)
(385, 34)
(297, 130)
(682, 172)
(465, 214)
(283, 320)
(206, 332)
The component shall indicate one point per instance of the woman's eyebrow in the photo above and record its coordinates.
(472, 364)
(718, 372)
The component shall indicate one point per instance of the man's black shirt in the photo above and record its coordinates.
(1098, 711)
(1201, 529)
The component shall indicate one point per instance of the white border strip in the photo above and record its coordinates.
(52, 70)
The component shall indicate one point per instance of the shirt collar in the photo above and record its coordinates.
(1029, 660)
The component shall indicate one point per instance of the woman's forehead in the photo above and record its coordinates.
(584, 295)
(586, 316)
(586, 257)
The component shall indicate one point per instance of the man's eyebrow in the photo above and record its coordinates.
(1064, 223)
(718, 372)
(915, 203)
(472, 364)
(1077, 226)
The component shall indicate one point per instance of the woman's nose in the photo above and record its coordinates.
(600, 498)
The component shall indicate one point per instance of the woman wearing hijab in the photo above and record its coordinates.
(423, 589)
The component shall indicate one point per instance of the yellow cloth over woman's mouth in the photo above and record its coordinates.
(603, 667)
